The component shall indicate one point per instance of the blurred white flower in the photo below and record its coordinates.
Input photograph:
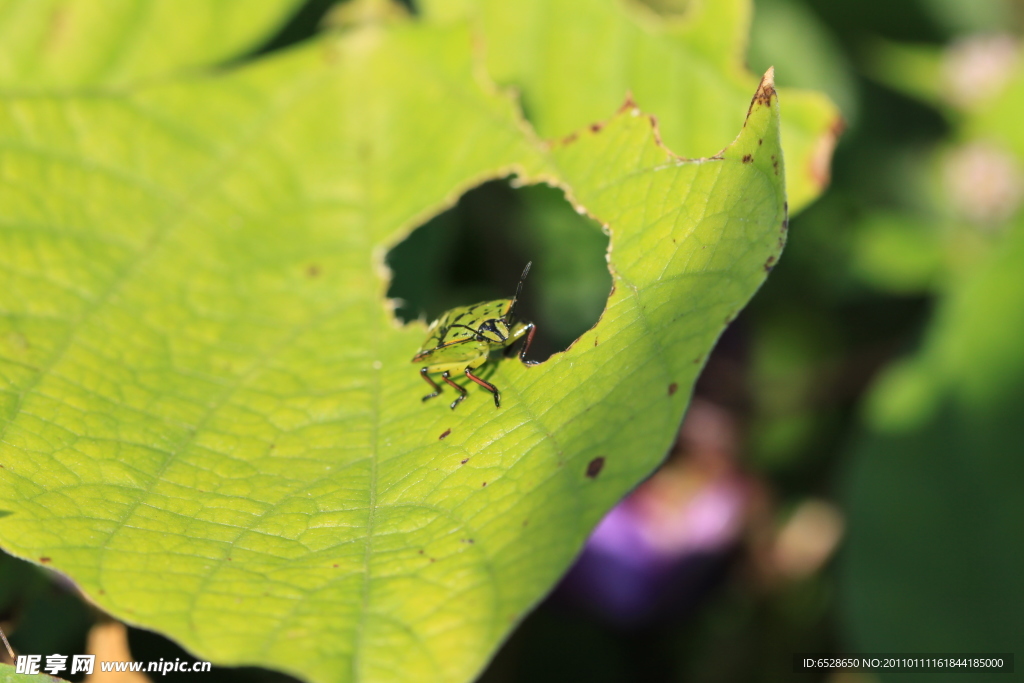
(978, 67)
(983, 182)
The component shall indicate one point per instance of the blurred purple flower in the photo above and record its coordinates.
(655, 549)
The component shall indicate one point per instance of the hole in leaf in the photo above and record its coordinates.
(476, 251)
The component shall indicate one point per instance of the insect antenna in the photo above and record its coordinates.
(519, 288)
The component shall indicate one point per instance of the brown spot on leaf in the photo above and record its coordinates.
(595, 344)
(464, 461)
(445, 433)
(433, 560)
(769, 264)
(570, 138)
(765, 92)
(421, 551)
(335, 566)
(748, 158)
(760, 141)
(313, 270)
(484, 484)
(45, 560)
(672, 388)
(595, 466)
(596, 127)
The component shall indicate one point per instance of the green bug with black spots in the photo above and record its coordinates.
(462, 339)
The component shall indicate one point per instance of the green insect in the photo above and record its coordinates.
(462, 339)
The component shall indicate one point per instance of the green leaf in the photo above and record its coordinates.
(73, 44)
(572, 67)
(8, 675)
(912, 69)
(971, 354)
(208, 416)
(928, 508)
(933, 485)
(932, 488)
(898, 253)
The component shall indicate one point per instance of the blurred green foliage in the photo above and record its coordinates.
(881, 364)
(930, 479)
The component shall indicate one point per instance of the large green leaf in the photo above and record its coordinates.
(208, 417)
(73, 44)
(572, 66)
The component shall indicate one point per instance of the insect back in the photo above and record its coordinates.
(462, 339)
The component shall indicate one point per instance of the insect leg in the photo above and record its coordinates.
(486, 385)
(462, 392)
(526, 345)
(437, 389)
(510, 349)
